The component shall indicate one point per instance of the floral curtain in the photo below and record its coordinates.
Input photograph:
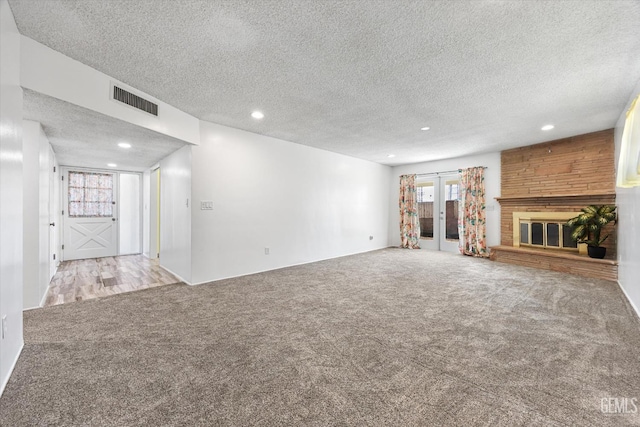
(409, 223)
(471, 215)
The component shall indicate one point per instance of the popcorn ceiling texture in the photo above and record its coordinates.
(362, 77)
(84, 137)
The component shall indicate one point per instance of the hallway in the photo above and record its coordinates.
(97, 277)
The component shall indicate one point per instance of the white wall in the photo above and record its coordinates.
(628, 202)
(36, 177)
(492, 189)
(52, 73)
(175, 213)
(31, 134)
(302, 203)
(11, 192)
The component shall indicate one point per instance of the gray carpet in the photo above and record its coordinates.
(392, 337)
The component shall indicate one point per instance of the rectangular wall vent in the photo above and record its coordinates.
(135, 101)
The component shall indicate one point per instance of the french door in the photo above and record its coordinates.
(438, 212)
(89, 214)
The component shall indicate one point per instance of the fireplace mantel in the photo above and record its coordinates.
(573, 199)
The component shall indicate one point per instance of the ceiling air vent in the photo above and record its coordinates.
(135, 101)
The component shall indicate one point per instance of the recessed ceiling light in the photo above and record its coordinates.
(111, 165)
(391, 156)
(547, 127)
(124, 145)
(425, 128)
(257, 115)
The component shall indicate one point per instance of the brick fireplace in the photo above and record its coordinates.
(549, 183)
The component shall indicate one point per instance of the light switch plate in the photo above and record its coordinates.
(206, 205)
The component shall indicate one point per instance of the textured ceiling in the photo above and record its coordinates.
(361, 77)
(82, 137)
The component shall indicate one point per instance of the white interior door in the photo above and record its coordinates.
(438, 212)
(54, 210)
(90, 214)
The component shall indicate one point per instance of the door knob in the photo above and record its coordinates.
(52, 224)
(113, 219)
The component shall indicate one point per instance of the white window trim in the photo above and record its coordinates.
(629, 162)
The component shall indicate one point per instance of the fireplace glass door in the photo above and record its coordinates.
(547, 234)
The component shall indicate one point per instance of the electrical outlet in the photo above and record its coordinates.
(4, 326)
(266, 251)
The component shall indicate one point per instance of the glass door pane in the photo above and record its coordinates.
(451, 209)
(553, 234)
(537, 233)
(425, 209)
(450, 188)
(427, 196)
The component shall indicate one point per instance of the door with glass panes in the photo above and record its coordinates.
(89, 214)
(437, 199)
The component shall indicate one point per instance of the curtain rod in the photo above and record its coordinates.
(445, 172)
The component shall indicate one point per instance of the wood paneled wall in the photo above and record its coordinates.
(580, 165)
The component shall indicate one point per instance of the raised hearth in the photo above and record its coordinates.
(565, 262)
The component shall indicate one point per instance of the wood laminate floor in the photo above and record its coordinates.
(96, 277)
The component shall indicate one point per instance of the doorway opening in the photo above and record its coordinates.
(101, 213)
(437, 198)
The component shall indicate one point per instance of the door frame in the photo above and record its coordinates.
(64, 205)
(432, 244)
(54, 214)
(446, 245)
(154, 213)
(141, 208)
(439, 241)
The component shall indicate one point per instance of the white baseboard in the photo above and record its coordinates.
(5, 381)
(177, 275)
(629, 299)
(285, 266)
(44, 297)
(42, 300)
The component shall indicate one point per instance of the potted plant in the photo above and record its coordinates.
(587, 227)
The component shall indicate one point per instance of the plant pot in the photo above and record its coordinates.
(596, 251)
